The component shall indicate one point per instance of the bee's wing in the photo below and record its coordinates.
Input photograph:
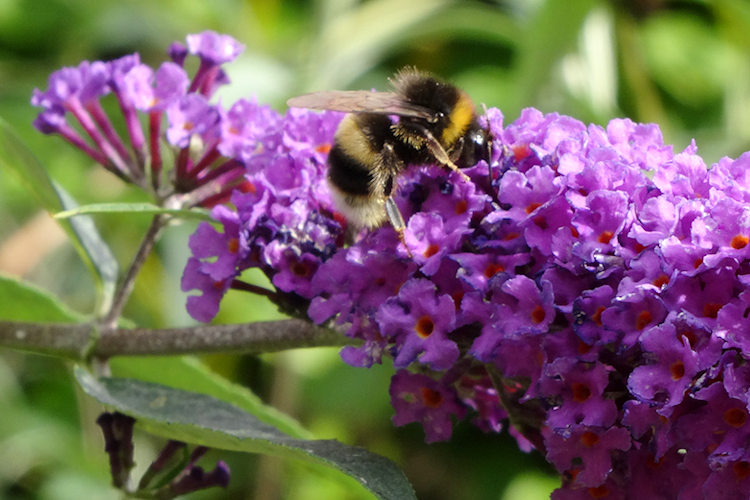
(361, 101)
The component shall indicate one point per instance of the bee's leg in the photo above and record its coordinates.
(350, 235)
(392, 165)
(397, 221)
(488, 136)
(439, 153)
(457, 148)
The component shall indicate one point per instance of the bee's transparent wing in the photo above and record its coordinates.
(361, 101)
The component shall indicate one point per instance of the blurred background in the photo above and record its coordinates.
(682, 64)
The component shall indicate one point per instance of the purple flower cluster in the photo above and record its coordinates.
(209, 142)
(281, 222)
(588, 285)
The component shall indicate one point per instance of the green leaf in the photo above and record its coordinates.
(15, 156)
(687, 59)
(133, 208)
(549, 35)
(188, 373)
(203, 420)
(25, 302)
(354, 39)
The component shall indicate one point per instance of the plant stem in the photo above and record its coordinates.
(126, 286)
(74, 341)
(525, 417)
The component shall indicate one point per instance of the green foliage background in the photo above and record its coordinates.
(682, 64)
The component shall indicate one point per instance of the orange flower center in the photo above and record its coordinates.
(740, 241)
(424, 326)
(431, 398)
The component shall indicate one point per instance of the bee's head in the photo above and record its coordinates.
(427, 91)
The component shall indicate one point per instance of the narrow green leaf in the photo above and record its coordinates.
(687, 59)
(551, 34)
(15, 156)
(354, 39)
(201, 419)
(25, 302)
(132, 208)
(92, 248)
(188, 373)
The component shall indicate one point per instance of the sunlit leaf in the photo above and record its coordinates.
(15, 156)
(546, 38)
(25, 302)
(687, 59)
(355, 39)
(132, 208)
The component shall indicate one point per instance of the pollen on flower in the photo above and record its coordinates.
(677, 370)
(188, 126)
(654, 463)
(690, 335)
(740, 241)
(599, 491)
(605, 237)
(520, 151)
(538, 314)
(580, 391)
(583, 347)
(492, 269)
(741, 469)
(457, 297)
(711, 309)
(340, 218)
(540, 221)
(589, 439)
(643, 319)
(461, 207)
(431, 398)
(323, 148)
(219, 285)
(661, 281)
(574, 232)
(735, 417)
(597, 316)
(301, 269)
(424, 326)
(247, 187)
(431, 250)
(233, 245)
(573, 473)
(532, 206)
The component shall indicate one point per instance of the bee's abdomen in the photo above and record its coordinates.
(348, 174)
(357, 151)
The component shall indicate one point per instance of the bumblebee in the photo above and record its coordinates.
(434, 123)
